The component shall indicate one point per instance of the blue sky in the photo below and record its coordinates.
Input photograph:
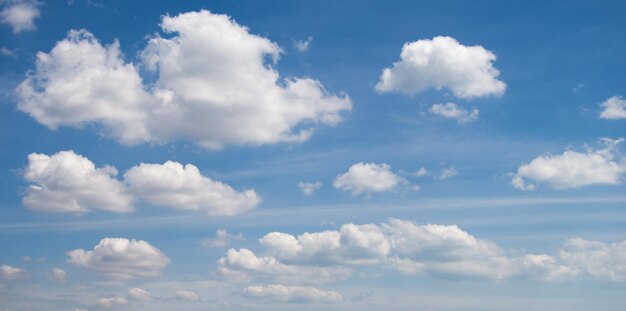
(312, 155)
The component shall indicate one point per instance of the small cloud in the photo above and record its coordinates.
(308, 188)
(6, 51)
(579, 87)
(222, 238)
(454, 111)
(302, 46)
(614, 108)
(448, 173)
(187, 295)
(26, 259)
(421, 172)
(20, 15)
(58, 275)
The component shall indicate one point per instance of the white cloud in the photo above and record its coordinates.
(573, 169)
(454, 111)
(244, 265)
(69, 183)
(187, 295)
(308, 188)
(59, 275)
(297, 294)
(422, 171)
(6, 51)
(443, 63)
(367, 178)
(602, 260)
(448, 172)
(613, 108)
(20, 15)
(438, 250)
(222, 238)
(213, 87)
(9, 273)
(111, 302)
(183, 187)
(139, 294)
(121, 259)
(302, 46)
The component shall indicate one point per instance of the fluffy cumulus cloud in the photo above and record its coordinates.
(308, 188)
(368, 178)
(243, 265)
(454, 111)
(121, 259)
(213, 86)
(10, 273)
(111, 302)
(573, 169)
(69, 183)
(598, 259)
(296, 294)
(183, 187)
(443, 251)
(441, 63)
(613, 108)
(20, 14)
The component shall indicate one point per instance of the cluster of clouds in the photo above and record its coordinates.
(213, 86)
(20, 15)
(443, 251)
(137, 297)
(66, 182)
(573, 169)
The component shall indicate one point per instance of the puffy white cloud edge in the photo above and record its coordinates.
(369, 178)
(213, 88)
(442, 62)
(66, 182)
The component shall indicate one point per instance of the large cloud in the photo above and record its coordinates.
(438, 250)
(69, 183)
(302, 294)
(20, 15)
(121, 259)
(213, 87)
(443, 63)
(368, 178)
(573, 169)
(613, 108)
(183, 187)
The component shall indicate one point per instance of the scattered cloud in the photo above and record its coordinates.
(183, 187)
(187, 295)
(422, 171)
(111, 302)
(448, 172)
(614, 108)
(302, 46)
(6, 51)
(440, 63)
(244, 266)
(138, 294)
(69, 183)
(222, 238)
(58, 275)
(454, 111)
(242, 101)
(9, 273)
(598, 259)
(121, 259)
(308, 188)
(443, 251)
(20, 15)
(368, 178)
(573, 169)
(295, 294)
